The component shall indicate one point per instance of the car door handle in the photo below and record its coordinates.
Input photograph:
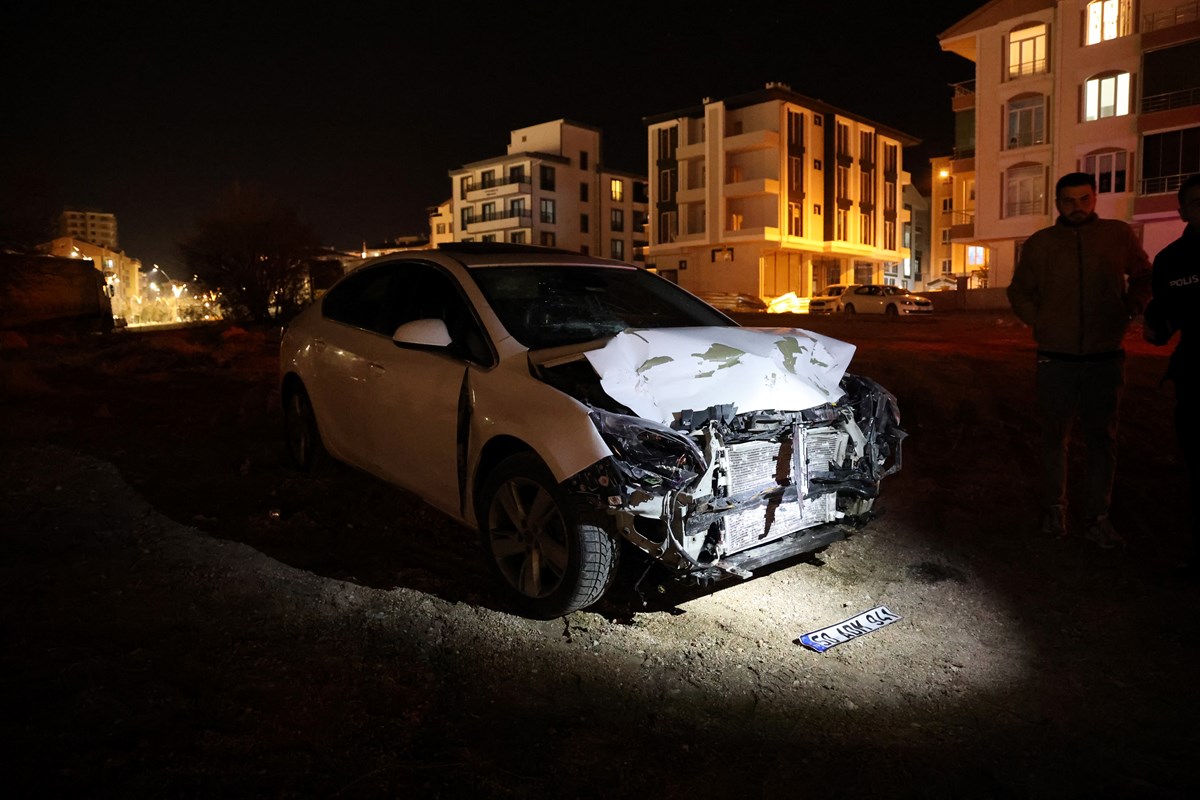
(376, 369)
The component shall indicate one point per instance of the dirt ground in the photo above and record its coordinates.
(185, 616)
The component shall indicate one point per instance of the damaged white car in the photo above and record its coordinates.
(569, 407)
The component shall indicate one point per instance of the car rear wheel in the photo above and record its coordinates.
(891, 310)
(548, 562)
(300, 430)
(849, 309)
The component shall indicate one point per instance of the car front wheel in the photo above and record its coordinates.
(849, 309)
(891, 311)
(548, 562)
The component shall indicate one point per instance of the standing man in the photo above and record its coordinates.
(1176, 307)
(1078, 284)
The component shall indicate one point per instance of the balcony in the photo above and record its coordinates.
(1163, 184)
(499, 220)
(500, 187)
(1170, 100)
(962, 227)
(964, 96)
(752, 140)
(1169, 18)
(752, 187)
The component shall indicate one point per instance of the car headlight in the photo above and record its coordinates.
(649, 453)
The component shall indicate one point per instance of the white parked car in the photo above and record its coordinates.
(878, 299)
(570, 407)
(828, 301)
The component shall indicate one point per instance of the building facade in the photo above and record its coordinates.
(772, 192)
(122, 274)
(95, 227)
(551, 189)
(1108, 87)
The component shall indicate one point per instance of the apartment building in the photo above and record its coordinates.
(95, 227)
(122, 274)
(772, 192)
(552, 189)
(1109, 87)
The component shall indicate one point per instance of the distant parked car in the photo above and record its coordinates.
(571, 407)
(876, 299)
(829, 301)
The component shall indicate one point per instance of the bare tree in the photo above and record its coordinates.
(255, 252)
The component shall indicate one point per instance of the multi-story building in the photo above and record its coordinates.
(122, 274)
(1109, 87)
(95, 227)
(551, 189)
(773, 192)
(956, 259)
(914, 269)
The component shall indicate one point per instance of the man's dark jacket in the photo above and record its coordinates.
(1078, 286)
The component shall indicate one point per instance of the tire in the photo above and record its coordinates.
(849, 308)
(548, 563)
(891, 311)
(300, 430)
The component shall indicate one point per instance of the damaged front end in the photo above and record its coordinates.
(724, 492)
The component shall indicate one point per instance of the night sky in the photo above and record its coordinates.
(354, 114)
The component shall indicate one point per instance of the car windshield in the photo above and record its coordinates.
(548, 306)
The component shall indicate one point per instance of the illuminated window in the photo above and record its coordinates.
(1026, 121)
(976, 256)
(866, 228)
(1106, 96)
(1109, 170)
(618, 190)
(1027, 51)
(1108, 19)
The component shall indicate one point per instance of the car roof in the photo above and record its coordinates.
(497, 254)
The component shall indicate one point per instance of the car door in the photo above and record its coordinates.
(342, 344)
(416, 420)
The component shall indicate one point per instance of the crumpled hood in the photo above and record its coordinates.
(662, 371)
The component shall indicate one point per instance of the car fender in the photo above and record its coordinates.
(509, 401)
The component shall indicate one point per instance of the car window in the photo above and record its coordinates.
(551, 306)
(361, 300)
(382, 298)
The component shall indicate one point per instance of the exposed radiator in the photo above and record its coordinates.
(759, 466)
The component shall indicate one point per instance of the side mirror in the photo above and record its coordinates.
(424, 332)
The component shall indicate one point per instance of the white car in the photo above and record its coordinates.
(570, 407)
(828, 301)
(874, 298)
